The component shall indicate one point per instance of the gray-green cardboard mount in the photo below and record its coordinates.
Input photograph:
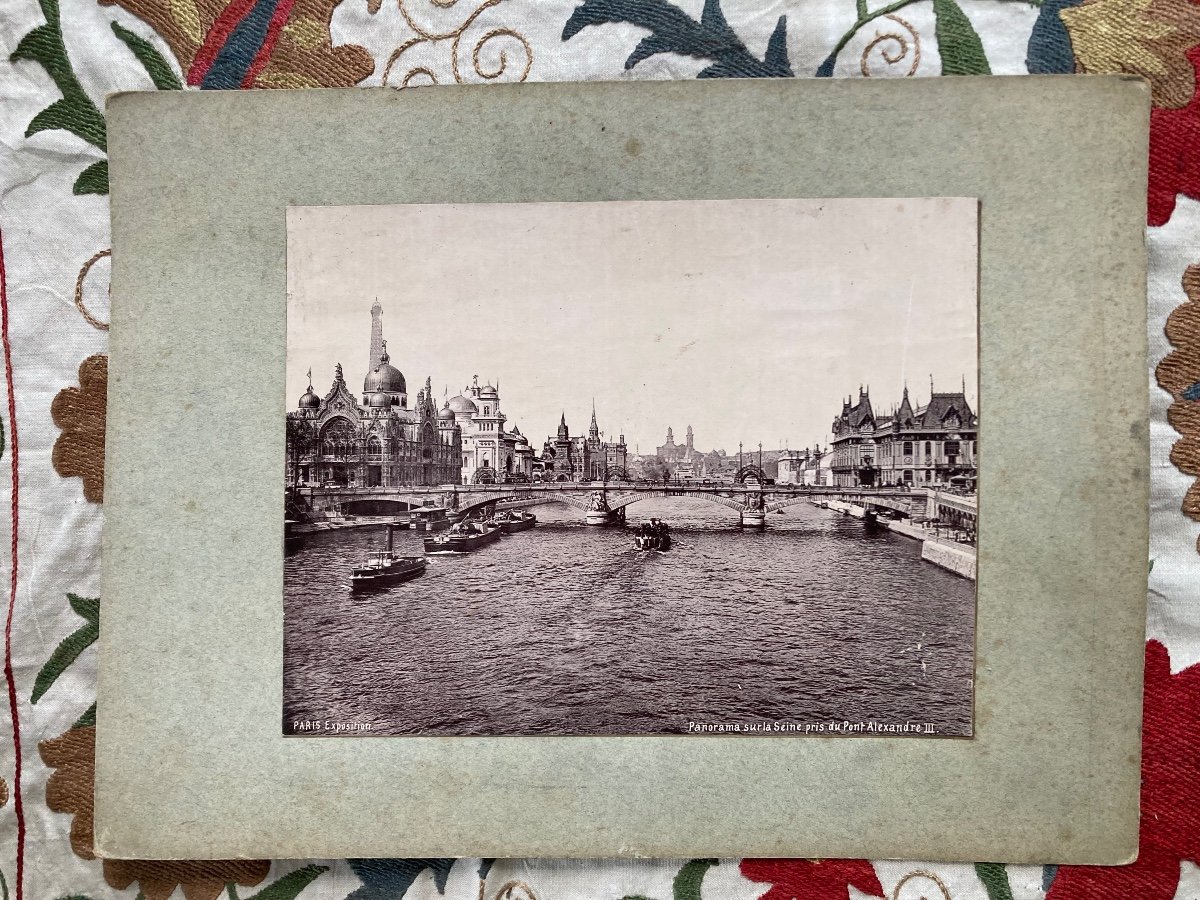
(190, 761)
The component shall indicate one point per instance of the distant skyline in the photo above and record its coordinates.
(750, 320)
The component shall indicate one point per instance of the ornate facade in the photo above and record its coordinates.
(566, 458)
(490, 453)
(380, 441)
(932, 445)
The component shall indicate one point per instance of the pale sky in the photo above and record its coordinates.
(749, 320)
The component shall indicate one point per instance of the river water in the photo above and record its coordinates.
(566, 629)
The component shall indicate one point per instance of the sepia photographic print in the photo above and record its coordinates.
(632, 468)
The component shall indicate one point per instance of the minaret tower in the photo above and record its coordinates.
(690, 448)
(376, 336)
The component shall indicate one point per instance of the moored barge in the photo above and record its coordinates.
(463, 537)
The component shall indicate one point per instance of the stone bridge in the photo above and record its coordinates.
(604, 503)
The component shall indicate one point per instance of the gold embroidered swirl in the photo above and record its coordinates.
(920, 873)
(515, 890)
(429, 36)
(897, 53)
(79, 283)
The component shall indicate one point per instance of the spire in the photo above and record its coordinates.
(964, 384)
(563, 434)
(594, 429)
(310, 378)
(930, 387)
(337, 373)
(377, 345)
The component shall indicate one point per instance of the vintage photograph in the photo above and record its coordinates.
(632, 468)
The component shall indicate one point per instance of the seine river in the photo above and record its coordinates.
(567, 629)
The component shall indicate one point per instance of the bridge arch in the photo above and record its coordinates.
(752, 474)
(620, 501)
(468, 503)
(376, 506)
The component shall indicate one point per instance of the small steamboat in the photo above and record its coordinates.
(653, 535)
(512, 522)
(385, 568)
(464, 537)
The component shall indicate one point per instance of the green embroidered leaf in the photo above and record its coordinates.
(995, 879)
(958, 43)
(686, 885)
(72, 645)
(290, 885)
(75, 112)
(79, 118)
(87, 719)
(156, 67)
(87, 608)
(93, 179)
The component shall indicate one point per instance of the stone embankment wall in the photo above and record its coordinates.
(958, 558)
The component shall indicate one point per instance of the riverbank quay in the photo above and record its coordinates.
(951, 555)
(336, 523)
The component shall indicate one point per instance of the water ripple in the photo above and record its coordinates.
(568, 630)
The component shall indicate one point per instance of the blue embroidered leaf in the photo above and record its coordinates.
(1049, 49)
(1048, 872)
(673, 31)
(777, 47)
(390, 879)
(958, 42)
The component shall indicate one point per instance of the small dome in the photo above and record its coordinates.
(487, 392)
(446, 414)
(310, 400)
(463, 406)
(380, 400)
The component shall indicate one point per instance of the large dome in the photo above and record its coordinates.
(463, 406)
(385, 377)
(310, 400)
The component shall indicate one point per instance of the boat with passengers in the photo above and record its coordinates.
(385, 568)
(653, 535)
(464, 537)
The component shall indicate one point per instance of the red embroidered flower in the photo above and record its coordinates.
(1174, 153)
(813, 879)
(1170, 830)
